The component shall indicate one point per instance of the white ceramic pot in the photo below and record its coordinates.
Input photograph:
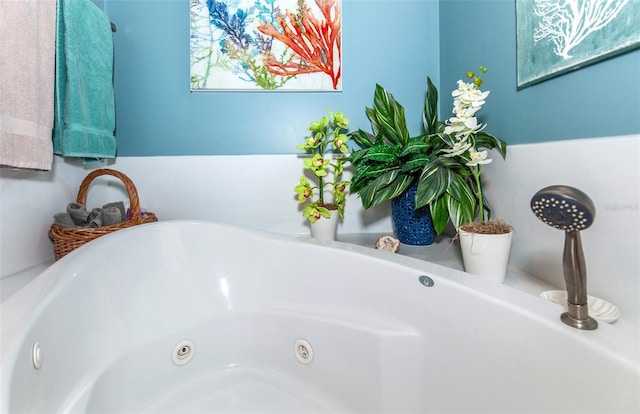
(486, 255)
(326, 229)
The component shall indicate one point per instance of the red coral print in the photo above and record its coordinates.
(315, 42)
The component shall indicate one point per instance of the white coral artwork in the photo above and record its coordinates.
(555, 37)
(567, 23)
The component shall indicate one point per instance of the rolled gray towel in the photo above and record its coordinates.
(95, 212)
(111, 215)
(78, 213)
(95, 217)
(64, 220)
(119, 205)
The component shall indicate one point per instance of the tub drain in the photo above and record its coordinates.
(183, 352)
(303, 352)
(426, 281)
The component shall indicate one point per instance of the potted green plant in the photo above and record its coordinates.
(389, 163)
(451, 183)
(326, 196)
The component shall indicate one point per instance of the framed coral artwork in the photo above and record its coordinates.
(266, 45)
(557, 36)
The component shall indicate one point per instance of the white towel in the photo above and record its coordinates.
(27, 50)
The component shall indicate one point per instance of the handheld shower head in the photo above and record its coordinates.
(563, 207)
(570, 210)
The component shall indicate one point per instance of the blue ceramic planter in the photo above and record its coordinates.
(412, 226)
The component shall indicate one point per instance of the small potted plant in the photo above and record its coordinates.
(389, 164)
(326, 196)
(451, 182)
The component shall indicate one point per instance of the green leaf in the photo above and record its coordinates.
(460, 213)
(445, 138)
(365, 174)
(381, 113)
(430, 113)
(415, 146)
(356, 156)
(373, 119)
(440, 127)
(462, 201)
(382, 153)
(488, 141)
(360, 177)
(385, 187)
(434, 142)
(400, 124)
(366, 170)
(357, 185)
(415, 162)
(439, 214)
(377, 192)
(375, 170)
(462, 188)
(369, 192)
(388, 118)
(396, 188)
(433, 182)
(363, 138)
(487, 209)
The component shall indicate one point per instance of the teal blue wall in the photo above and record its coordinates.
(392, 42)
(396, 43)
(599, 100)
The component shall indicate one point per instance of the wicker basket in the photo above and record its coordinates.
(67, 239)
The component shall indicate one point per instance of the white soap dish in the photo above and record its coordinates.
(598, 308)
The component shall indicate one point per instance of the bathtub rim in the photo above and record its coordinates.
(24, 297)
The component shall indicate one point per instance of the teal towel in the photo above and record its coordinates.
(84, 113)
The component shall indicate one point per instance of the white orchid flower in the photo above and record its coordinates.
(469, 111)
(458, 148)
(471, 123)
(468, 95)
(455, 125)
(478, 157)
(462, 127)
(457, 128)
(464, 111)
(468, 100)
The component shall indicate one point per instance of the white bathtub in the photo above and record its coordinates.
(107, 319)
